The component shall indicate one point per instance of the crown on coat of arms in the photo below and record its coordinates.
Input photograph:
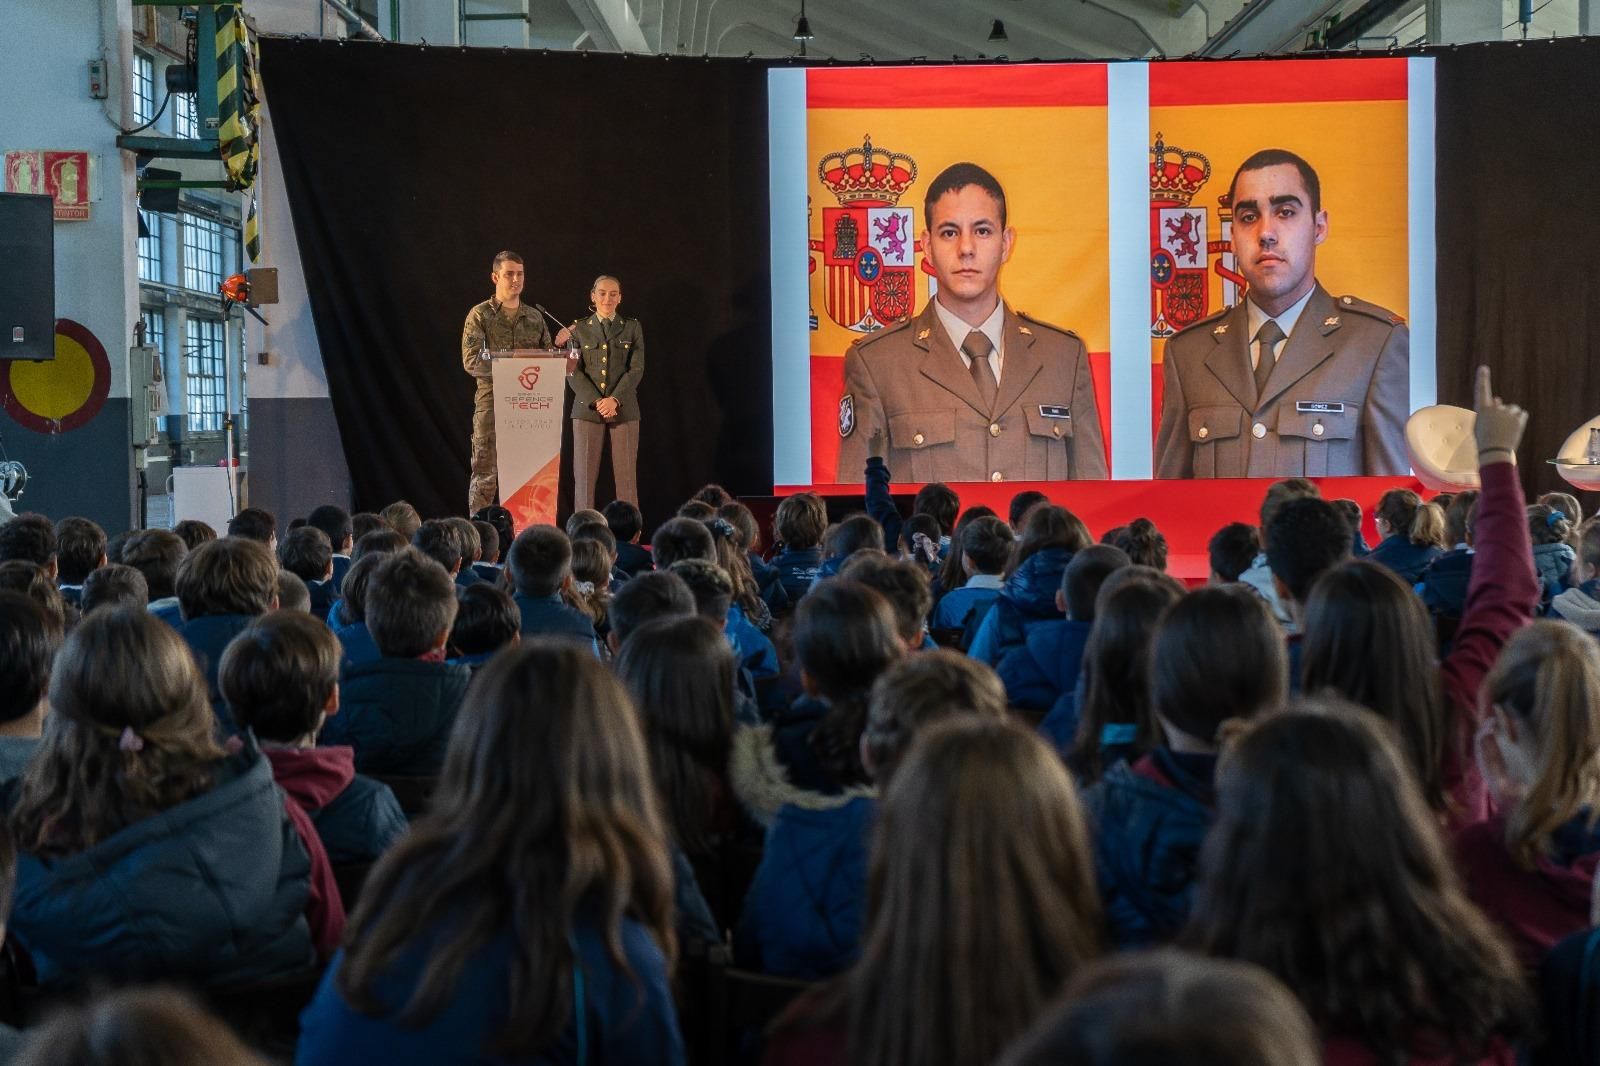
(867, 174)
(1176, 174)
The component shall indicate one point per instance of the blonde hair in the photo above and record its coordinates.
(1548, 677)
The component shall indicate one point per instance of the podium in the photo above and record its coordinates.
(529, 393)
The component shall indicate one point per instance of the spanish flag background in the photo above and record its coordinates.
(1040, 130)
(1347, 118)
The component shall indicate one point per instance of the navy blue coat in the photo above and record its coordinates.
(1443, 586)
(211, 891)
(1029, 597)
(208, 637)
(634, 559)
(626, 1019)
(1046, 665)
(324, 594)
(341, 567)
(549, 616)
(397, 714)
(1149, 821)
(769, 582)
(357, 645)
(804, 912)
(1403, 557)
(798, 570)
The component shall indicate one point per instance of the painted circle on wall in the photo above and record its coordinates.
(63, 393)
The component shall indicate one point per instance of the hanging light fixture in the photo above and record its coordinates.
(997, 32)
(802, 26)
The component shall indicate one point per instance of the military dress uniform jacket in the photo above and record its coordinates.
(1334, 405)
(488, 327)
(612, 364)
(909, 385)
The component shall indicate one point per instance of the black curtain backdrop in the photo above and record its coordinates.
(1519, 236)
(409, 167)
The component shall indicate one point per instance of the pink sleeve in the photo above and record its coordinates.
(1501, 596)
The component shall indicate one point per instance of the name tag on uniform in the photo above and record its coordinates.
(1050, 410)
(1318, 407)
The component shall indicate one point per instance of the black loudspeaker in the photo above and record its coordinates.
(27, 277)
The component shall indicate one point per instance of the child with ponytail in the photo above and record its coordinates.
(1531, 866)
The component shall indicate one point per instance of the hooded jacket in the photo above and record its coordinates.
(1537, 908)
(1553, 562)
(806, 906)
(397, 714)
(356, 817)
(212, 891)
(1046, 666)
(1149, 821)
(1580, 606)
(1029, 597)
(1403, 557)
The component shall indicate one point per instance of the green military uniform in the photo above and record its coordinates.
(489, 326)
(611, 364)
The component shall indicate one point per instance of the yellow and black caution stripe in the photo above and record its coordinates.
(238, 98)
(252, 233)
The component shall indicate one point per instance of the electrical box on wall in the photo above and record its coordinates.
(97, 79)
(148, 389)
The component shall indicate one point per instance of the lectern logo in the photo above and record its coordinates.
(528, 378)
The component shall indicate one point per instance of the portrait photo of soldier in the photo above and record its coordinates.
(1291, 381)
(970, 389)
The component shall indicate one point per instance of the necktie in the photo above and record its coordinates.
(1268, 336)
(977, 348)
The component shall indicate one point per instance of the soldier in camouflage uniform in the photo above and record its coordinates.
(498, 324)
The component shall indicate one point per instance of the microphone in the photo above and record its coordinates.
(560, 324)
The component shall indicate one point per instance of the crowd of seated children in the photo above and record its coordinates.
(1216, 660)
(280, 678)
(223, 586)
(156, 553)
(307, 553)
(1531, 864)
(191, 531)
(1443, 585)
(113, 585)
(336, 524)
(1551, 531)
(528, 915)
(679, 672)
(397, 711)
(1050, 537)
(627, 526)
(981, 908)
(148, 849)
(800, 775)
(540, 568)
(1580, 604)
(1041, 674)
(487, 620)
(1326, 868)
(29, 640)
(1411, 534)
(981, 549)
(1367, 883)
(1259, 574)
(798, 525)
(80, 551)
(1231, 551)
(1113, 722)
(1143, 542)
(1368, 637)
